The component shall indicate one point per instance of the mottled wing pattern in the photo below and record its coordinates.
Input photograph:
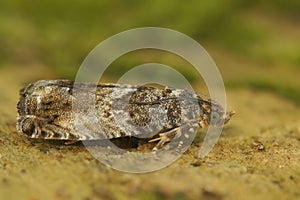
(60, 109)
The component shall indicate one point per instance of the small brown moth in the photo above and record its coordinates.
(51, 109)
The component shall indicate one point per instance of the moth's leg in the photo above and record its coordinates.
(71, 142)
(184, 135)
(165, 137)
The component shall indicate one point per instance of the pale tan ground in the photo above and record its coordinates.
(257, 157)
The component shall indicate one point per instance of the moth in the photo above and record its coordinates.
(64, 110)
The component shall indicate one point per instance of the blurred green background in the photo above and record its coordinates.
(254, 43)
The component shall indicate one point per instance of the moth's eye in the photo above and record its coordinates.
(215, 117)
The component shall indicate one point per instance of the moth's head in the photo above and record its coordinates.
(214, 115)
(228, 116)
(219, 118)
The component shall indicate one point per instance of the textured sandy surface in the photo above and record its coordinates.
(257, 157)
